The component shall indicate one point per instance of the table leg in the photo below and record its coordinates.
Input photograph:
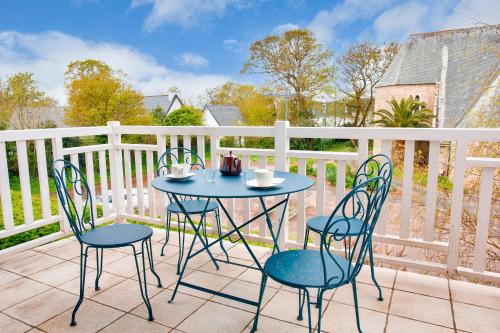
(196, 234)
(270, 223)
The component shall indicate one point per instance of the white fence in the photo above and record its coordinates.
(120, 173)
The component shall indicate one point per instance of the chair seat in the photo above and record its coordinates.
(303, 268)
(193, 206)
(116, 235)
(318, 224)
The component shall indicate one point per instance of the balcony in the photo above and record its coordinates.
(436, 245)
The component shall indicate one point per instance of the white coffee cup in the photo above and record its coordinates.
(264, 177)
(180, 170)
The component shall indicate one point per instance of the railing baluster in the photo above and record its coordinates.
(406, 201)
(457, 198)
(214, 157)
(77, 197)
(128, 181)
(246, 202)
(320, 191)
(161, 148)
(340, 181)
(24, 178)
(301, 204)
(200, 147)
(139, 182)
(103, 174)
(186, 143)
(89, 166)
(43, 178)
(8, 216)
(432, 189)
(380, 228)
(262, 220)
(483, 219)
(174, 144)
(150, 177)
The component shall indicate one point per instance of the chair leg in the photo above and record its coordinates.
(167, 232)
(261, 296)
(219, 231)
(149, 248)
(302, 300)
(309, 313)
(144, 290)
(181, 242)
(83, 269)
(99, 267)
(306, 238)
(372, 270)
(355, 294)
(319, 303)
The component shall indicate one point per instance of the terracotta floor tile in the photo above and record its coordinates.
(399, 324)
(424, 308)
(10, 325)
(19, 290)
(476, 319)
(227, 319)
(131, 323)
(42, 307)
(91, 317)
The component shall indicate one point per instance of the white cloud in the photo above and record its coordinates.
(326, 21)
(47, 55)
(285, 27)
(400, 21)
(233, 45)
(186, 13)
(394, 20)
(472, 12)
(193, 60)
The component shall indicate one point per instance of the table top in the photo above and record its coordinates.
(231, 186)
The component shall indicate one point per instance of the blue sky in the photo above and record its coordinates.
(197, 44)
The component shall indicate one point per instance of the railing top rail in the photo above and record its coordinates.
(198, 130)
(48, 133)
(396, 133)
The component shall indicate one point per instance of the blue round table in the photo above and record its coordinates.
(224, 187)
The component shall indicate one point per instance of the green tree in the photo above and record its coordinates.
(358, 72)
(97, 94)
(406, 112)
(158, 115)
(255, 107)
(184, 116)
(22, 102)
(297, 61)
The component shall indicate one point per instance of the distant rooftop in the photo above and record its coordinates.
(225, 115)
(163, 101)
(473, 63)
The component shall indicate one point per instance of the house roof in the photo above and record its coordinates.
(473, 64)
(164, 101)
(43, 115)
(225, 115)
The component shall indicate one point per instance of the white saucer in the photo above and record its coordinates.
(275, 182)
(181, 178)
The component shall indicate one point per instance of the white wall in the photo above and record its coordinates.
(209, 119)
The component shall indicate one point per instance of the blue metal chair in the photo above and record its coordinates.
(192, 205)
(323, 269)
(377, 165)
(70, 183)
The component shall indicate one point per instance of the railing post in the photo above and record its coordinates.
(281, 148)
(457, 197)
(116, 171)
(57, 153)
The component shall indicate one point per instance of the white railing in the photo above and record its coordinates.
(120, 173)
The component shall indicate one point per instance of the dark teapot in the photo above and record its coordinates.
(230, 165)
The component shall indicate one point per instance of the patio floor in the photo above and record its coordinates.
(39, 287)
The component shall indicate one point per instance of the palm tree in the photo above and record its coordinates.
(406, 112)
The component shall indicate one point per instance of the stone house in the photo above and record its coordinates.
(455, 72)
